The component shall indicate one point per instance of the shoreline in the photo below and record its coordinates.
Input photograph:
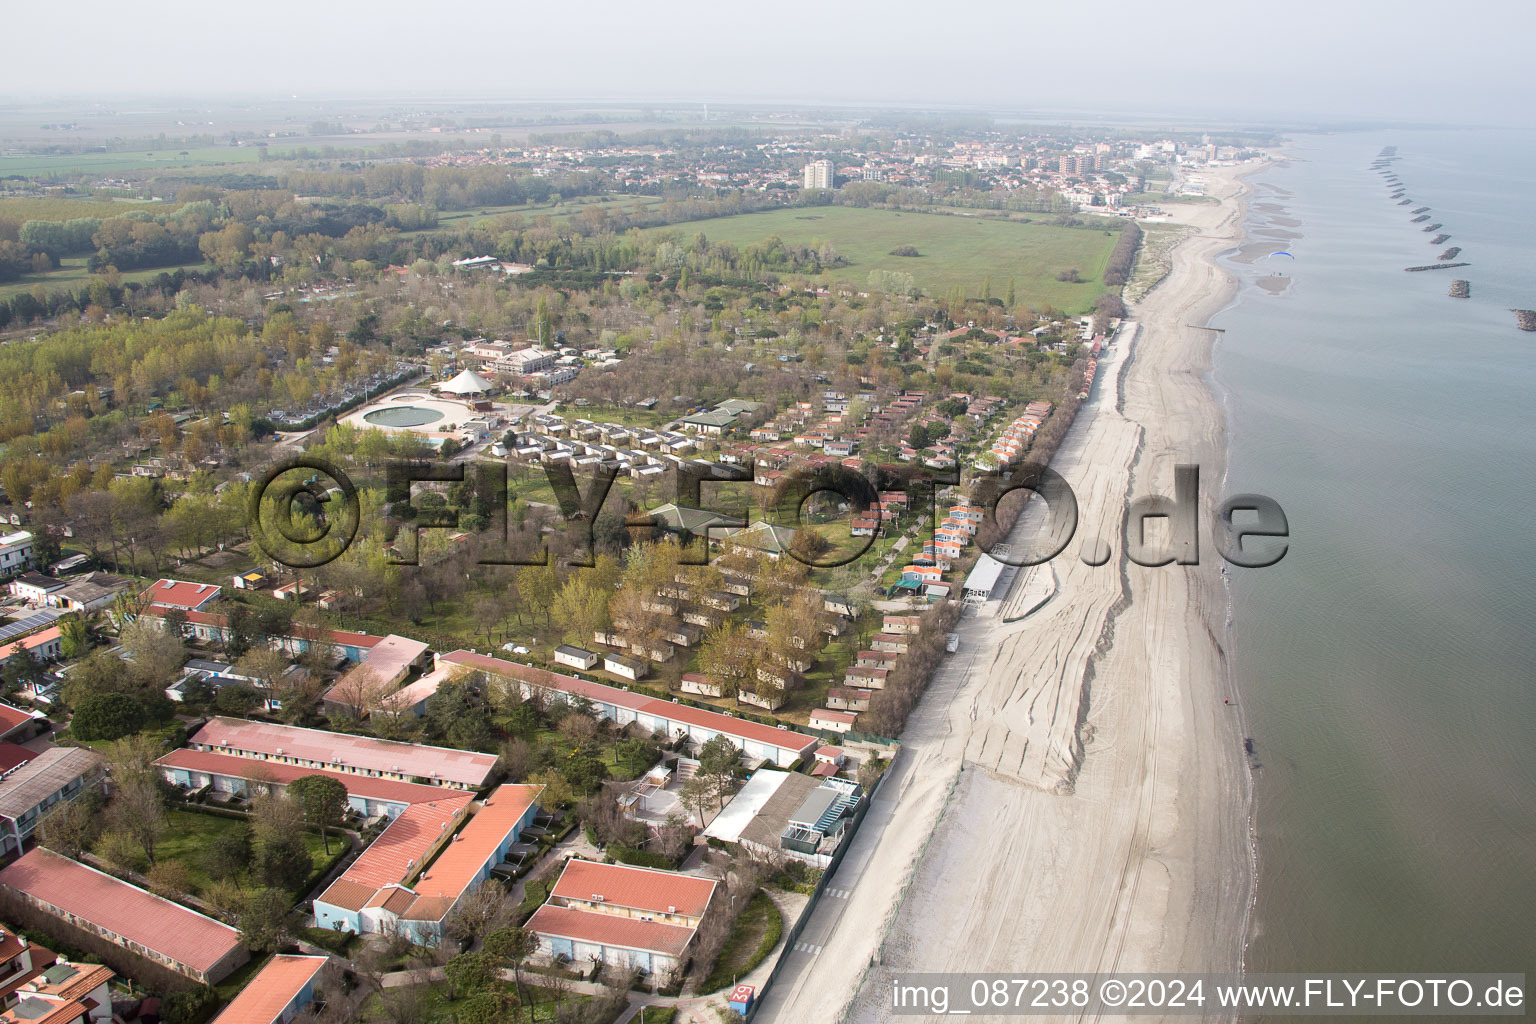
(1072, 793)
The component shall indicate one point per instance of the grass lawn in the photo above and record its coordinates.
(752, 938)
(618, 768)
(957, 251)
(190, 833)
(43, 164)
(558, 213)
(437, 1006)
(72, 273)
(624, 415)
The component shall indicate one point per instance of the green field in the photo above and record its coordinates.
(558, 213)
(43, 164)
(72, 273)
(957, 251)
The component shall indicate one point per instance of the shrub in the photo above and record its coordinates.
(107, 716)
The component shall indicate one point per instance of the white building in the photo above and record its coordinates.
(15, 553)
(820, 174)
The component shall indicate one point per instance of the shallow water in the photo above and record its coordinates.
(1386, 664)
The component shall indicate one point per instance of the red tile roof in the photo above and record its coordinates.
(282, 774)
(638, 888)
(610, 929)
(458, 866)
(737, 728)
(170, 929)
(270, 992)
(180, 594)
(12, 755)
(339, 637)
(398, 851)
(12, 719)
(463, 767)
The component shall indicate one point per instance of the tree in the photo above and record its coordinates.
(266, 667)
(481, 1008)
(512, 947)
(719, 760)
(584, 770)
(557, 792)
(636, 753)
(74, 636)
(106, 716)
(470, 972)
(187, 1005)
(170, 878)
(729, 657)
(581, 609)
(279, 857)
(475, 912)
(695, 792)
(674, 838)
(73, 827)
(228, 854)
(324, 800)
(156, 653)
(237, 699)
(138, 809)
(454, 717)
(264, 920)
(118, 848)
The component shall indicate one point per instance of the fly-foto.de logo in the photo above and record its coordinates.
(306, 512)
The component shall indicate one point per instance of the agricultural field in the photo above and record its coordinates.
(72, 273)
(557, 212)
(35, 165)
(956, 251)
(19, 210)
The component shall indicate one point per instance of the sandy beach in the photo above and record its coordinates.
(1073, 794)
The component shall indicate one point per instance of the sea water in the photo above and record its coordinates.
(1387, 666)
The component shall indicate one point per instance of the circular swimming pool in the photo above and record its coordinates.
(403, 416)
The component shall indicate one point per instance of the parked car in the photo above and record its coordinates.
(514, 648)
(952, 642)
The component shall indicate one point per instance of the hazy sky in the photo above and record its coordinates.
(1407, 59)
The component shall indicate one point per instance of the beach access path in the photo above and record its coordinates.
(1071, 793)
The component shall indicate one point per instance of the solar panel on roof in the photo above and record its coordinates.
(21, 627)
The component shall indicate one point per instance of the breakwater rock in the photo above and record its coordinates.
(1438, 239)
(1435, 266)
(1525, 319)
(1461, 289)
(1420, 218)
(1451, 253)
(1422, 209)
(1433, 227)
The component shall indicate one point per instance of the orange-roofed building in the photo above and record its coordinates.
(225, 773)
(624, 916)
(162, 932)
(63, 993)
(181, 595)
(388, 885)
(345, 753)
(279, 992)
